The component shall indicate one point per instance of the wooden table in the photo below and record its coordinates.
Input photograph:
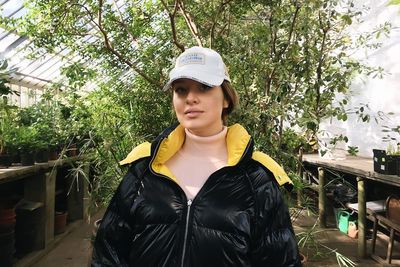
(39, 186)
(363, 169)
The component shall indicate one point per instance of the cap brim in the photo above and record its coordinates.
(201, 77)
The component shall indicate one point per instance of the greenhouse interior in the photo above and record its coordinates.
(102, 100)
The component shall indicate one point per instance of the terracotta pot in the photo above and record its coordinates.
(96, 227)
(53, 154)
(303, 260)
(72, 150)
(60, 222)
(7, 216)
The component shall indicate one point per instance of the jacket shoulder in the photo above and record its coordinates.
(141, 151)
(279, 173)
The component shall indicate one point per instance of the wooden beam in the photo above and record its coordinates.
(362, 213)
(322, 197)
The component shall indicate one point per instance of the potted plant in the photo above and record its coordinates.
(387, 162)
(44, 135)
(5, 148)
(27, 143)
(6, 112)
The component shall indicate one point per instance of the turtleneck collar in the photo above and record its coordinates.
(200, 146)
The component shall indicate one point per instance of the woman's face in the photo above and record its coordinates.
(199, 107)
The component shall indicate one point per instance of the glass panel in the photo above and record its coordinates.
(24, 97)
(11, 7)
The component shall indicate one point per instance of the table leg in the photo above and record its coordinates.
(362, 213)
(321, 197)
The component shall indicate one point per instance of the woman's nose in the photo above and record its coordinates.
(192, 97)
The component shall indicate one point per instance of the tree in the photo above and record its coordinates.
(288, 60)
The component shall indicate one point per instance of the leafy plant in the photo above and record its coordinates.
(392, 150)
(392, 133)
(25, 139)
(352, 150)
(308, 241)
(7, 111)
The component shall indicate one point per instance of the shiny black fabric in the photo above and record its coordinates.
(237, 219)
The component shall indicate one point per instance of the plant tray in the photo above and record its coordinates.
(386, 164)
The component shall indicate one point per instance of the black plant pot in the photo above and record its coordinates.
(16, 157)
(5, 160)
(386, 164)
(27, 158)
(42, 156)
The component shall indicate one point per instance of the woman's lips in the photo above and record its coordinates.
(193, 113)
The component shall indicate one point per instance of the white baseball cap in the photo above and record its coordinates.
(201, 64)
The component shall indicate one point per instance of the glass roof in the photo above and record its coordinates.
(44, 70)
(34, 73)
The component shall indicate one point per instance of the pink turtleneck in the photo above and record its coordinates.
(197, 159)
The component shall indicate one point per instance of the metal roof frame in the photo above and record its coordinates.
(45, 69)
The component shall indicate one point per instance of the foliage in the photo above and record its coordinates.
(287, 59)
(392, 150)
(308, 240)
(45, 117)
(25, 138)
(352, 150)
(392, 133)
(394, 2)
(7, 111)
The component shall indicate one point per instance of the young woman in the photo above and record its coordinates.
(198, 195)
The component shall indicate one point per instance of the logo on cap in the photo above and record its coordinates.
(191, 58)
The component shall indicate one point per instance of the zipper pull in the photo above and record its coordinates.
(189, 202)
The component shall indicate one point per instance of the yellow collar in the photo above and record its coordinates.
(237, 140)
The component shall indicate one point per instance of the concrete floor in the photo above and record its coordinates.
(340, 243)
(74, 249)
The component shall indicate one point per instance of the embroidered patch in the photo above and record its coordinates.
(191, 58)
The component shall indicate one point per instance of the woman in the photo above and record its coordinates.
(198, 195)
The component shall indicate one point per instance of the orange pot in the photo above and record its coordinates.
(60, 222)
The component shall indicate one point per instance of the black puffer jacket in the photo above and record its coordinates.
(238, 218)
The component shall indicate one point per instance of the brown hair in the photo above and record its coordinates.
(232, 97)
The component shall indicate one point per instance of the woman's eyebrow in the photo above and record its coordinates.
(178, 84)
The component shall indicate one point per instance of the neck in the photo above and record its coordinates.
(201, 146)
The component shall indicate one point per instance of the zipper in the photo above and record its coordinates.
(189, 204)
(185, 237)
(189, 201)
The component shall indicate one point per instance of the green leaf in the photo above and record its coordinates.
(347, 19)
(394, 2)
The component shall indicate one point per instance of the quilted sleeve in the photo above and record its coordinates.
(112, 244)
(275, 242)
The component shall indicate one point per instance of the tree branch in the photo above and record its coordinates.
(292, 26)
(190, 23)
(317, 84)
(212, 32)
(110, 47)
(123, 24)
(173, 26)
